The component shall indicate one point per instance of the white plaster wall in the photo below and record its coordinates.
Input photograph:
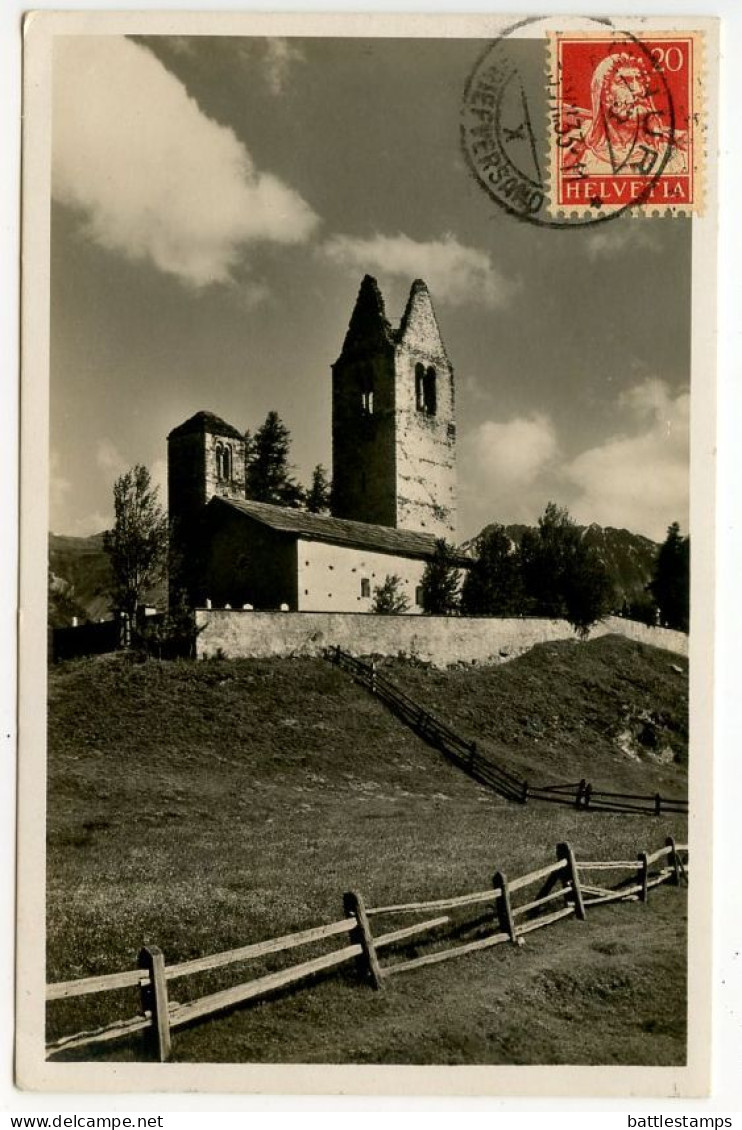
(330, 577)
(438, 640)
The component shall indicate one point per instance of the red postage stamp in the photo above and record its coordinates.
(625, 122)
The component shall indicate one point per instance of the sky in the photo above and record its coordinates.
(215, 205)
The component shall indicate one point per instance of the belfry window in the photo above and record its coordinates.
(223, 462)
(425, 390)
(367, 393)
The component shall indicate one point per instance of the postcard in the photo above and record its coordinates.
(367, 529)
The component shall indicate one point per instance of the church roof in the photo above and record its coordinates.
(336, 531)
(206, 422)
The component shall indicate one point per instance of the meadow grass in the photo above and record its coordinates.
(200, 807)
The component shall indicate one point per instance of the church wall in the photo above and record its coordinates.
(330, 577)
(438, 640)
(246, 563)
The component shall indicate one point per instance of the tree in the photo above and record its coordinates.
(318, 495)
(138, 543)
(670, 585)
(390, 598)
(492, 585)
(562, 576)
(268, 476)
(440, 582)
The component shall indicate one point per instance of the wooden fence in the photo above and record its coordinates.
(507, 920)
(468, 756)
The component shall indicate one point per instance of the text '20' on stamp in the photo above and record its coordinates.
(625, 122)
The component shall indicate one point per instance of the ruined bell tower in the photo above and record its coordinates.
(393, 422)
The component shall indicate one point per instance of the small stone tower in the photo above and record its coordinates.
(393, 423)
(205, 457)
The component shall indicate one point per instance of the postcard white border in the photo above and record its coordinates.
(33, 1071)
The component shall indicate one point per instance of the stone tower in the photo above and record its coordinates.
(393, 423)
(205, 457)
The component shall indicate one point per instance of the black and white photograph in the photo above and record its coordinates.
(377, 555)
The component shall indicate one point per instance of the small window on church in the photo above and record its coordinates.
(365, 586)
(420, 387)
(419, 596)
(367, 393)
(223, 462)
(429, 393)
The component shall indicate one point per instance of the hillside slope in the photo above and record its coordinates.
(610, 710)
(200, 806)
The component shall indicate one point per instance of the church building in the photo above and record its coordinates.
(393, 481)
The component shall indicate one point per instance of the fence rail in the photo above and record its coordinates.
(483, 768)
(509, 922)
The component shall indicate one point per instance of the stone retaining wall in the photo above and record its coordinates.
(439, 640)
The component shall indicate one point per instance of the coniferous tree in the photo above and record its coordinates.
(268, 477)
(441, 582)
(390, 598)
(318, 495)
(562, 576)
(670, 585)
(492, 585)
(138, 543)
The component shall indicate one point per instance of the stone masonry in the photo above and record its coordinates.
(393, 422)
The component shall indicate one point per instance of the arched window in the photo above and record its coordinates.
(223, 462)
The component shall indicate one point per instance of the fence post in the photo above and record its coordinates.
(355, 907)
(504, 909)
(643, 876)
(673, 861)
(580, 792)
(154, 1000)
(373, 676)
(587, 794)
(472, 756)
(657, 804)
(564, 851)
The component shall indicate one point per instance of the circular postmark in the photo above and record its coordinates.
(528, 129)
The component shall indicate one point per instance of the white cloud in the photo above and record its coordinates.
(504, 468)
(109, 458)
(155, 178)
(455, 274)
(638, 479)
(280, 57)
(158, 477)
(94, 523)
(616, 236)
(59, 485)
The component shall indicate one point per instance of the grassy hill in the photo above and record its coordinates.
(203, 806)
(612, 711)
